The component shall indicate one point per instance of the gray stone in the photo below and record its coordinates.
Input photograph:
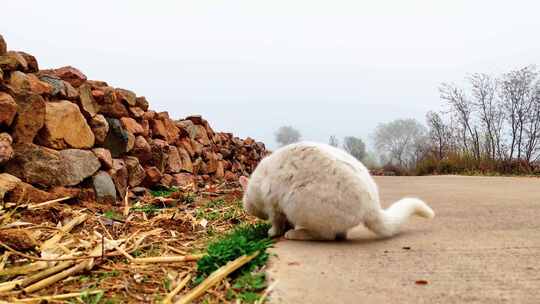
(117, 140)
(104, 187)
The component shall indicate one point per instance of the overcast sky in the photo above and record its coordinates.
(324, 67)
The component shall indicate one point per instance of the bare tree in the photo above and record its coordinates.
(287, 135)
(484, 89)
(519, 94)
(438, 133)
(333, 141)
(354, 146)
(399, 140)
(462, 108)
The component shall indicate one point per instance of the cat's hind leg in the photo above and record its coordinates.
(279, 224)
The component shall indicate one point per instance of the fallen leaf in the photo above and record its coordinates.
(293, 263)
(421, 282)
(407, 248)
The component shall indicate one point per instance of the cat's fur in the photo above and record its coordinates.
(322, 192)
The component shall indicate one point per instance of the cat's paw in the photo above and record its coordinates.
(274, 232)
(299, 235)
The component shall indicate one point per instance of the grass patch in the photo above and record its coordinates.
(148, 209)
(247, 287)
(244, 240)
(163, 191)
(112, 215)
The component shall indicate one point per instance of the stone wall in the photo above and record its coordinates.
(62, 133)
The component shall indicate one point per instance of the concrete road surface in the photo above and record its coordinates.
(483, 246)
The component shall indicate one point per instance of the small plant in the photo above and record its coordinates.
(91, 298)
(242, 241)
(167, 284)
(148, 209)
(247, 287)
(112, 215)
(163, 191)
(189, 198)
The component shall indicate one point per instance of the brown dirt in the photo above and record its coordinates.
(482, 247)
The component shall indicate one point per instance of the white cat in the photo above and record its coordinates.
(322, 192)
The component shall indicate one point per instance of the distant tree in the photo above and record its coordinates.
(333, 141)
(355, 146)
(400, 141)
(287, 135)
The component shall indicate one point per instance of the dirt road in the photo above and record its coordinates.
(482, 247)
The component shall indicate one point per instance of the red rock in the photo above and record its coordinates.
(158, 129)
(153, 176)
(8, 110)
(65, 127)
(32, 64)
(174, 162)
(142, 149)
(115, 109)
(69, 74)
(126, 96)
(100, 127)
(17, 239)
(196, 119)
(98, 95)
(131, 125)
(202, 136)
(13, 61)
(109, 95)
(6, 150)
(136, 173)
(136, 112)
(149, 115)
(87, 103)
(130, 141)
(183, 179)
(220, 170)
(230, 177)
(142, 103)
(146, 128)
(187, 165)
(186, 144)
(95, 84)
(159, 153)
(119, 174)
(3, 46)
(30, 118)
(197, 147)
(22, 84)
(167, 180)
(105, 157)
(24, 192)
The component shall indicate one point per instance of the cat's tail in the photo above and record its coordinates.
(387, 222)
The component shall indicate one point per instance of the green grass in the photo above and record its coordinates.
(163, 191)
(148, 209)
(112, 215)
(244, 240)
(247, 287)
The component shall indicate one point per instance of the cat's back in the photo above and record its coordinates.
(311, 161)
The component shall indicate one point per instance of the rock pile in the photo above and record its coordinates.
(62, 133)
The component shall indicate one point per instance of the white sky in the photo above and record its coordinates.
(324, 67)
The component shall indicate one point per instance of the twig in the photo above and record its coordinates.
(126, 203)
(176, 290)
(45, 273)
(55, 278)
(40, 205)
(266, 293)
(60, 297)
(7, 286)
(216, 277)
(168, 259)
(50, 243)
(25, 269)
